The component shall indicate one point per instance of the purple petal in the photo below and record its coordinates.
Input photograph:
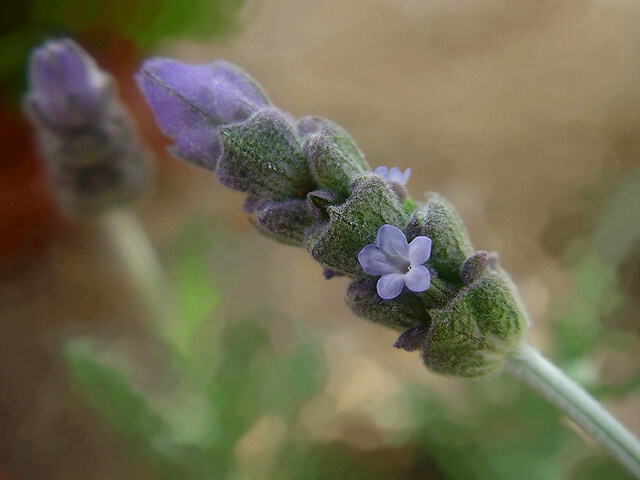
(79, 73)
(395, 175)
(382, 171)
(238, 96)
(418, 278)
(393, 243)
(200, 146)
(419, 250)
(374, 262)
(405, 176)
(390, 286)
(220, 92)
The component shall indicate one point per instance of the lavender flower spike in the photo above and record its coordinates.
(399, 263)
(191, 101)
(395, 175)
(84, 132)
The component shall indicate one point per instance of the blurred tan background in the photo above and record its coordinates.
(523, 114)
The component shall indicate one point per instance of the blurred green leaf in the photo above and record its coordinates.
(197, 294)
(110, 391)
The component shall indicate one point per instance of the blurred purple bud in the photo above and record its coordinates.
(398, 262)
(191, 101)
(85, 134)
(66, 88)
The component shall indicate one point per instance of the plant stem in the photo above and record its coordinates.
(144, 270)
(528, 364)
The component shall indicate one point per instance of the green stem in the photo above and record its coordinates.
(529, 365)
(145, 274)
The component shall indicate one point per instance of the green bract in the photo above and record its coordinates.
(354, 224)
(263, 156)
(398, 313)
(438, 220)
(334, 158)
(481, 325)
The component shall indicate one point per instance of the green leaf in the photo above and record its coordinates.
(110, 391)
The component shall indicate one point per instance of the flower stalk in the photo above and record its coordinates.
(530, 366)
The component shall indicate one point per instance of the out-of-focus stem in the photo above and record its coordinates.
(529, 365)
(145, 273)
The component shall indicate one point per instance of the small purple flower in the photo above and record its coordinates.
(67, 89)
(400, 263)
(191, 101)
(394, 175)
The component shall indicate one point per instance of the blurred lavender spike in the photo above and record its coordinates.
(84, 133)
(191, 101)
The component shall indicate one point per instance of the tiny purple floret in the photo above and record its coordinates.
(398, 262)
(191, 101)
(394, 175)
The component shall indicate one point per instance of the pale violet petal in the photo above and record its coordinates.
(405, 176)
(418, 278)
(374, 262)
(393, 243)
(395, 175)
(419, 250)
(389, 286)
(382, 171)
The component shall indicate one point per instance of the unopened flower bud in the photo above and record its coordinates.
(191, 101)
(414, 338)
(84, 132)
(398, 313)
(285, 222)
(475, 267)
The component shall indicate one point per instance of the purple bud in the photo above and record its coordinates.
(399, 313)
(67, 89)
(474, 267)
(191, 101)
(414, 337)
(286, 221)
